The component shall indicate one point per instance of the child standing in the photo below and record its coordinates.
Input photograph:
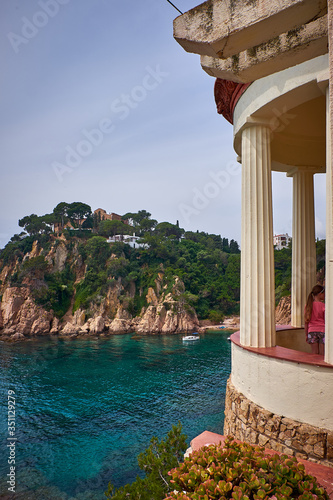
(314, 318)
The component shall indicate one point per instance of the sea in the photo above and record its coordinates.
(75, 414)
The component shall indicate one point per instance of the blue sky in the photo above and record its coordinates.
(100, 104)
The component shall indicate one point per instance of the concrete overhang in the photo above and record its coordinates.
(223, 28)
(283, 51)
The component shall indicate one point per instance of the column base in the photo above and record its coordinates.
(246, 421)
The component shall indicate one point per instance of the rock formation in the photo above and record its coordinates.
(283, 311)
(167, 310)
(20, 314)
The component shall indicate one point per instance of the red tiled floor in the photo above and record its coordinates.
(322, 473)
(283, 353)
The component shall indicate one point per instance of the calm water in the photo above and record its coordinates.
(86, 408)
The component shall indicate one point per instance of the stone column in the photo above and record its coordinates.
(303, 276)
(257, 327)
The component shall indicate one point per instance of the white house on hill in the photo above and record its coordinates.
(281, 241)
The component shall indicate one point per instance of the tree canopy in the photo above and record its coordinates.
(33, 224)
(112, 227)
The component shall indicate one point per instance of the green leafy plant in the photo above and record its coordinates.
(156, 461)
(57, 293)
(242, 472)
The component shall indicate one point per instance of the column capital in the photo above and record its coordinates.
(304, 170)
(252, 121)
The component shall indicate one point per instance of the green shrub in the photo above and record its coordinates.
(58, 292)
(156, 461)
(242, 472)
(35, 267)
(216, 316)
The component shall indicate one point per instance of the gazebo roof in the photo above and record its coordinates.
(244, 41)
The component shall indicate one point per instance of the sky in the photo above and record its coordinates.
(100, 104)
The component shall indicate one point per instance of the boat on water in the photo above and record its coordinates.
(189, 338)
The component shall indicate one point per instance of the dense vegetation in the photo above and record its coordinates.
(208, 264)
(235, 470)
(241, 471)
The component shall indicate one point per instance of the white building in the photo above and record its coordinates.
(281, 241)
(128, 239)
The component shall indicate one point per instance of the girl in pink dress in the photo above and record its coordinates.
(314, 318)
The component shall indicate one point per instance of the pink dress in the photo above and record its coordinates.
(317, 321)
(316, 325)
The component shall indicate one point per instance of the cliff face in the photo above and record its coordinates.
(20, 314)
(167, 312)
(283, 311)
(23, 290)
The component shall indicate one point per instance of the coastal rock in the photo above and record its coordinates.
(151, 297)
(42, 324)
(73, 323)
(97, 325)
(12, 300)
(6, 271)
(122, 323)
(180, 322)
(169, 315)
(60, 257)
(18, 336)
(1, 319)
(166, 311)
(120, 326)
(69, 329)
(21, 314)
(283, 311)
(85, 328)
(79, 318)
(55, 326)
(158, 282)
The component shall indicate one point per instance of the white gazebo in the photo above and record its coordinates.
(273, 67)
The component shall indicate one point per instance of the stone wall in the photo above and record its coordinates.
(246, 421)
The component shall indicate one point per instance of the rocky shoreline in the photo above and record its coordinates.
(230, 324)
(37, 298)
(166, 313)
(21, 319)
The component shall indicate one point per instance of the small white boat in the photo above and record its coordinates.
(191, 337)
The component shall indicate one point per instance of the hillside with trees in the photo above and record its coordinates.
(76, 278)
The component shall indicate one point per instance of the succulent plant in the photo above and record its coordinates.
(240, 471)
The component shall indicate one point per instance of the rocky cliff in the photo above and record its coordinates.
(283, 311)
(28, 281)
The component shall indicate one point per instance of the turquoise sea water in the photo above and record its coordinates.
(86, 408)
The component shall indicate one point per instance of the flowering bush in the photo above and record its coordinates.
(242, 472)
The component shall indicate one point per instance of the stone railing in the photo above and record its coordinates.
(292, 338)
